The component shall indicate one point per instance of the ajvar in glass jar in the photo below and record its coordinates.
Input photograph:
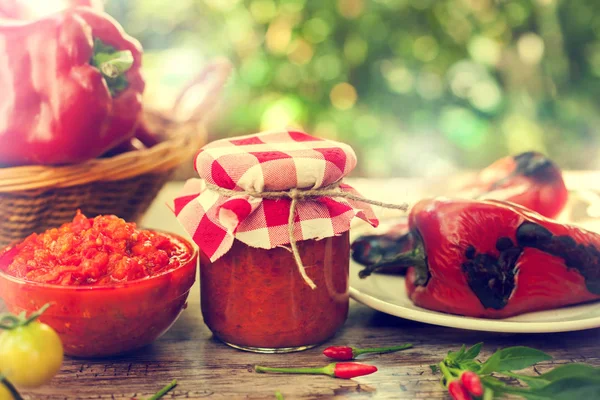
(257, 196)
(255, 299)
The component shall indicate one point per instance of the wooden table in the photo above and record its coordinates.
(205, 368)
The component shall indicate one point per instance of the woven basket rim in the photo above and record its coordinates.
(162, 157)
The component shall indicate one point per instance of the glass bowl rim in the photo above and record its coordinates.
(192, 255)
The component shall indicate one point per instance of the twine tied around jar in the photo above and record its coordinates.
(296, 195)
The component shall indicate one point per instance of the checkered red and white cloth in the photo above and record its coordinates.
(271, 161)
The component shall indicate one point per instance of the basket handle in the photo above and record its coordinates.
(199, 95)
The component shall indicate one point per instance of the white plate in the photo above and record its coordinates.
(387, 293)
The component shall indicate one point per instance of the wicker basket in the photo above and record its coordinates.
(36, 198)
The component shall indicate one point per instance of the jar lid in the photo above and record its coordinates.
(274, 161)
(214, 214)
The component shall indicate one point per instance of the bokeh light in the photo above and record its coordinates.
(343, 96)
(417, 87)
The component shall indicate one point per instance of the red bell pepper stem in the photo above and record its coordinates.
(113, 64)
(413, 258)
(344, 370)
(345, 353)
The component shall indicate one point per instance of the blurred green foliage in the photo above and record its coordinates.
(418, 87)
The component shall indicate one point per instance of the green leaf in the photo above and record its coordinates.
(434, 368)
(492, 382)
(455, 355)
(571, 370)
(531, 381)
(470, 365)
(472, 352)
(560, 372)
(568, 388)
(513, 358)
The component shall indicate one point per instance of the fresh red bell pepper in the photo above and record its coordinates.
(71, 87)
(27, 9)
(529, 179)
(494, 259)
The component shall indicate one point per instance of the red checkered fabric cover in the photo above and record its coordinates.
(271, 161)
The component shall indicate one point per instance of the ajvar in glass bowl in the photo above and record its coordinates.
(109, 318)
(256, 300)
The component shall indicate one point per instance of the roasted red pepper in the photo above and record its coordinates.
(495, 259)
(529, 179)
(71, 87)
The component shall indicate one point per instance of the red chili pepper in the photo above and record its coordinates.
(71, 89)
(529, 179)
(458, 391)
(344, 353)
(472, 383)
(349, 370)
(493, 259)
(343, 370)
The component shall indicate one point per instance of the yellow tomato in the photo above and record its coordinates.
(4, 393)
(30, 355)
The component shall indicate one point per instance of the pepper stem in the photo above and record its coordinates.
(448, 377)
(9, 386)
(9, 321)
(164, 390)
(113, 64)
(327, 370)
(356, 352)
(117, 63)
(415, 257)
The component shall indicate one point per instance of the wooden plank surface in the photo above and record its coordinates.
(205, 368)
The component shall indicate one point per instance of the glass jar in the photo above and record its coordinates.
(256, 300)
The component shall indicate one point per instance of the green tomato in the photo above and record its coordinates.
(30, 355)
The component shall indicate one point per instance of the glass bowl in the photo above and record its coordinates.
(101, 321)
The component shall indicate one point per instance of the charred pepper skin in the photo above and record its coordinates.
(56, 107)
(494, 259)
(529, 179)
